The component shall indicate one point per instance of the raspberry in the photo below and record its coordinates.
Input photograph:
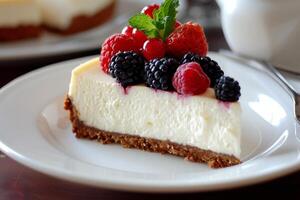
(209, 66)
(149, 10)
(154, 48)
(114, 44)
(227, 89)
(139, 37)
(188, 37)
(189, 79)
(159, 73)
(127, 67)
(127, 30)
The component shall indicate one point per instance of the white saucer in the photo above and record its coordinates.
(36, 132)
(52, 44)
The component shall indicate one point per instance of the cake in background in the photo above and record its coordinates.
(19, 19)
(72, 16)
(22, 19)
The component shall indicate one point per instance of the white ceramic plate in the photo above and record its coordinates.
(36, 132)
(52, 44)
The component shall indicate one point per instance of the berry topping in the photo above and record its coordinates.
(162, 24)
(139, 37)
(149, 10)
(227, 89)
(127, 30)
(127, 67)
(209, 66)
(159, 73)
(177, 24)
(138, 55)
(188, 37)
(189, 79)
(114, 44)
(154, 48)
(190, 57)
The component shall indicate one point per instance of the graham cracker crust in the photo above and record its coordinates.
(212, 159)
(83, 23)
(18, 33)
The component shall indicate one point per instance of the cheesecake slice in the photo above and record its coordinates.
(19, 19)
(199, 128)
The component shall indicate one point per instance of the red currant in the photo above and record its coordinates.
(140, 37)
(177, 24)
(127, 30)
(149, 10)
(154, 48)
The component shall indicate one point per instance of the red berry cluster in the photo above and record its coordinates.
(189, 79)
(150, 48)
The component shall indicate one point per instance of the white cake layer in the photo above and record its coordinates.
(14, 13)
(60, 13)
(200, 121)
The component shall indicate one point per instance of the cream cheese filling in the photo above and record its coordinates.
(199, 121)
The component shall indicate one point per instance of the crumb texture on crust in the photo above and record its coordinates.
(214, 160)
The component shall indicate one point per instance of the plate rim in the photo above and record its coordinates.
(133, 185)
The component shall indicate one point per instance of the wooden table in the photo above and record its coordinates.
(19, 182)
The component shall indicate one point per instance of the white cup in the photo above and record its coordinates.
(264, 29)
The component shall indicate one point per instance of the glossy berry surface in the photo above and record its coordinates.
(227, 89)
(149, 10)
(177, 24)
(159, 73)
(140, 37)
(189, 37)
(189, 79)
(114, 44)
(154, 48)
(209, 66)
(127, 67)
(127, 30)
(190, 57)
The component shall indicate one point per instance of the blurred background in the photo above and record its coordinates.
(23, 55)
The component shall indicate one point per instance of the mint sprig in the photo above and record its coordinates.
(162, 23)
(144, 23)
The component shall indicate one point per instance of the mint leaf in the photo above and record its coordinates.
(168, 27)
(144, 23)
(167, 8)
(162, 24)
(165, 17)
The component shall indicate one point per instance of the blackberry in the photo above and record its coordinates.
(190, 57)
(210, 67)
(227, 89)
(159, 73)
(127, 67)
